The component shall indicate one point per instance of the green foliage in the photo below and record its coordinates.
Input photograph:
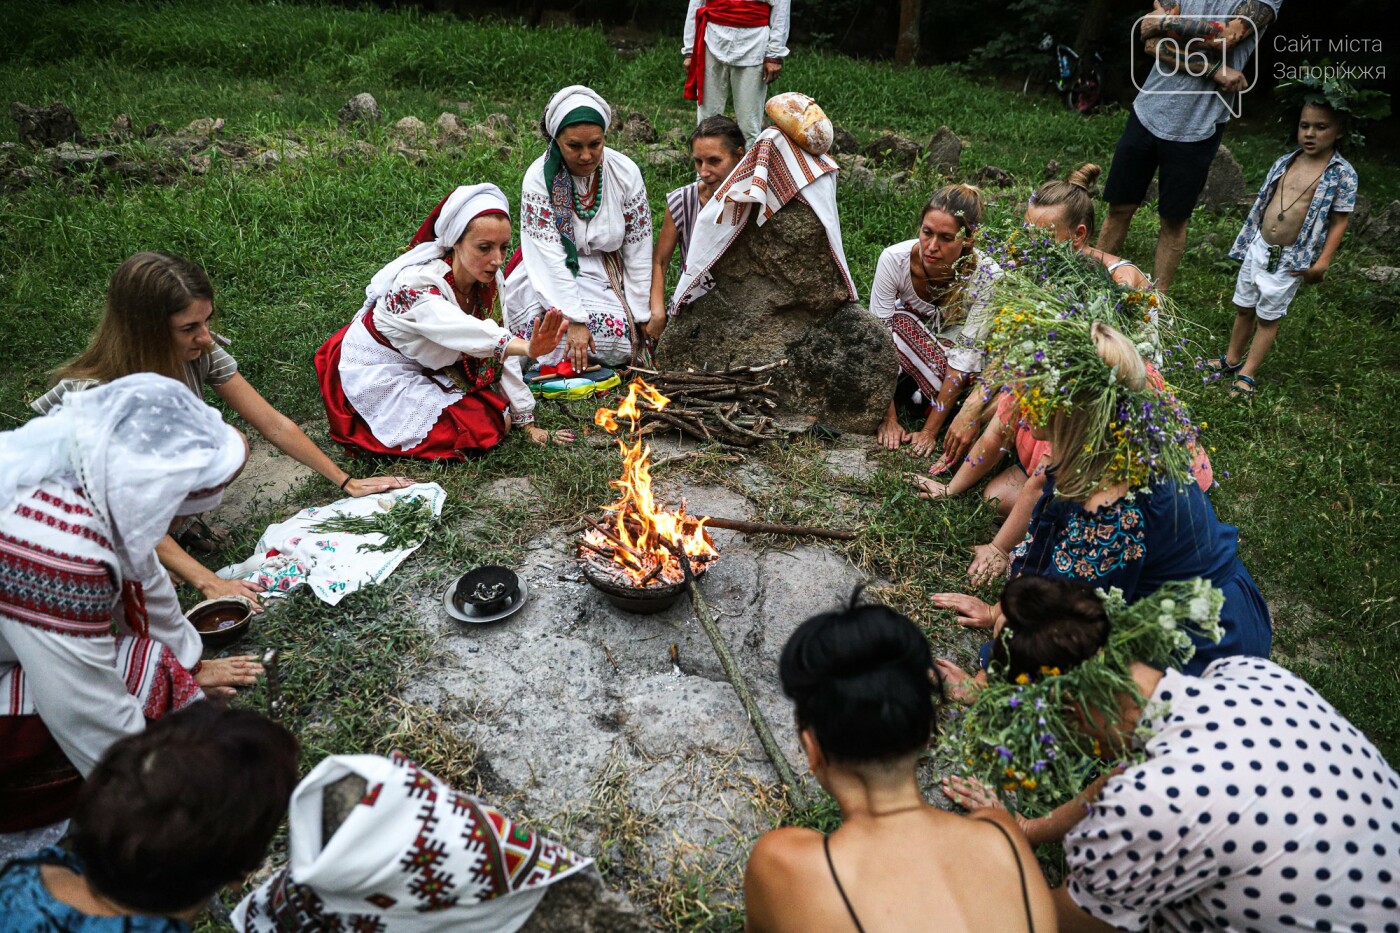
(1329, 86)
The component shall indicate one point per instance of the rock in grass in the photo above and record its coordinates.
(892, 151)
(357, 151)
(638, 129)
(1225, 188)
(676, 135)
(501, 123)
(662, 155)
(448, 123)
(1382, 227)
(73, 158)
(843, 141)
(995, 176)
(204, 126)
(360, 111)
(40, 127)
(1052, 169)
(778, 294)
(411, 129)
(945, 151)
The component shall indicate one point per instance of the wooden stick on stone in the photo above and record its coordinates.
(768, 528)
(795, 794)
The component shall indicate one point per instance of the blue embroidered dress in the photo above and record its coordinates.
(26, 906)
(1169, 532)
(1336, 191)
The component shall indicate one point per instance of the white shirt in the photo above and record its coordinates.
(893, 290)
(1258, 807)
(738, 46)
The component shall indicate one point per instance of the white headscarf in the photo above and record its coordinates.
(575, 95)
(413, 856)
(143, 448)
(460, 208)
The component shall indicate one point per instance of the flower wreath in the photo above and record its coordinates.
(1021, 737)
(1041, 348)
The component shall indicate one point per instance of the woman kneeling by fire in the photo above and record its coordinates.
(426, 369)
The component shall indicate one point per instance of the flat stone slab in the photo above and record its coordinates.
(587, 713)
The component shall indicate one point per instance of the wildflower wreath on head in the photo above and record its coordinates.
(1021, 738)
(1041, 348)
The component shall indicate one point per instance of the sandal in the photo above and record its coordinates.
(1223, 366)
(1244, 387)
(197, 536)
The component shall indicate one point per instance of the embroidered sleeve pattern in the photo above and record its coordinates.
(1095, 544)
(403, 299)
(636, 218)
(501, 345)
(537, 218)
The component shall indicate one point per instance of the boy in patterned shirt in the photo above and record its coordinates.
(1290, 237)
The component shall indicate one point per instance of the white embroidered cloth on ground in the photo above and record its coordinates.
(292, 552)
(413, 856)
(772, 173)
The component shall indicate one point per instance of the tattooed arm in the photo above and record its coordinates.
(1178, 41)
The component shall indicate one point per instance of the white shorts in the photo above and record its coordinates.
(1268, 293)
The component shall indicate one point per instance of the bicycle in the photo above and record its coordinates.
(1077, 83)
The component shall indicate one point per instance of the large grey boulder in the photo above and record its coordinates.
(360, 111)
(945, 151)
(1382, 228)
(778, 295)
(1225, 189)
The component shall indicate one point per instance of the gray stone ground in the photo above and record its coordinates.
(585, 723)
(582, 723)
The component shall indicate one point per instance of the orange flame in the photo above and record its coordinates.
(638, 521)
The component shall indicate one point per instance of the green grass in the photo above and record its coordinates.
(1308, 473)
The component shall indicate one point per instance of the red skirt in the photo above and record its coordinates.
(471, 425)
(38, 785)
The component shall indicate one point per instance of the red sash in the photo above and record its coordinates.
(745, 14)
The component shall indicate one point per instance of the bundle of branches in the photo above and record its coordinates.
(732, 406)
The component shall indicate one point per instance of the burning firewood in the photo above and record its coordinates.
(633, 546)
(732, 406)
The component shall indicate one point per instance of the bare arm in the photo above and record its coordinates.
(1014, 528)
(927, 437)
(661, 253)
(283, 434)
(1177, 42)
(984, 455)
(210, 585)
(1337, 225)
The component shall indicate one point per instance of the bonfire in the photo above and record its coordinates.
(634, 544)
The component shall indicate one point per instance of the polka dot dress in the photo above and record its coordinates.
(1258, 808)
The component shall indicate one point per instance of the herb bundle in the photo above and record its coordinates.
(1021, 738)
(405, 524)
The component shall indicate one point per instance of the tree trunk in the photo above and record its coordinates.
(1093, 24)
(907, 48)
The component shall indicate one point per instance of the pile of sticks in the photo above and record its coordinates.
(732, 406)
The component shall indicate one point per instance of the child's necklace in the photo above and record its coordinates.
(1282, 190)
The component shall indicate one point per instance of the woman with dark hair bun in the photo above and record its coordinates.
(860, 684)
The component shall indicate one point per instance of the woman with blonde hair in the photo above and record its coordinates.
(160, 319)
(1066, 208)
(934, 292)
(1121, 507)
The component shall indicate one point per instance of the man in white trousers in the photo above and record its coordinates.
(736, 45)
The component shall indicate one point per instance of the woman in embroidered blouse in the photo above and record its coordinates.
(415, 373)
(160, 319)
(935, 292)
(585, 243)
(1096, 531)
(716, 147)
(92, 640)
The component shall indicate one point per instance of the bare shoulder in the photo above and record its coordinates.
(785, 849)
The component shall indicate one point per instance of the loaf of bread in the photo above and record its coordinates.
(801, 120)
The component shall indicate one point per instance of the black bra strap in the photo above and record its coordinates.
(826, 847)
(1020, 869)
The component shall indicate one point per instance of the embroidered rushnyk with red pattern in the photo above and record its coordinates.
(413, 855)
